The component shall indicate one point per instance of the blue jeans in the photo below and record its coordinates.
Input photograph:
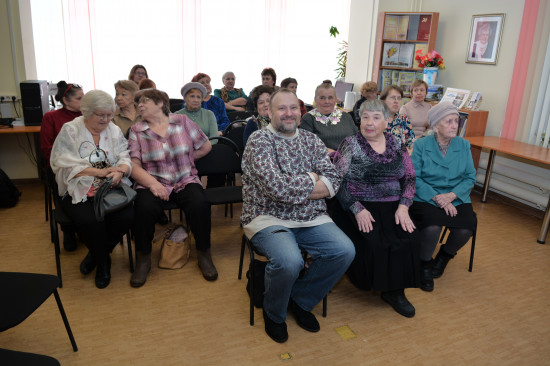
(331, 250)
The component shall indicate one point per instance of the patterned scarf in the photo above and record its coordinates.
(331, 119)
(262, 122)
(225, 96)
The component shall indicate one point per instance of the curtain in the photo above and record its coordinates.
(96, 42)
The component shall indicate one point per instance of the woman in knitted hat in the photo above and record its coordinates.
(445, 175)
(193, 93)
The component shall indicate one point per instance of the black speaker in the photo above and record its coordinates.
(34, 98)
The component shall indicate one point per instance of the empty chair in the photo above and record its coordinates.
(238, 115)
(23, 293)
(235, 132)
(8, 357)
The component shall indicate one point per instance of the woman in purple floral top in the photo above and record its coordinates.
(377, 189)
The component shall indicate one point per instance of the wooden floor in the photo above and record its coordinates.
(496, 315)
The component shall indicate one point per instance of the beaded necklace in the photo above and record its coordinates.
(442, 147)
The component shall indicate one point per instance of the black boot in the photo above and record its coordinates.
(103, 273)
(427, 282)
(88, 264)
(399, 302)
(440, 262)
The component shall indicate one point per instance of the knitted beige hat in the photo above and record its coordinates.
(438, 111)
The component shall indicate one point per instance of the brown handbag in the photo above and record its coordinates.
(175, 250)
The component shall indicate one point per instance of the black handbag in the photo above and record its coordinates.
(110, 199)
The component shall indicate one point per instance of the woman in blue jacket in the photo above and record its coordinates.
(445, 176)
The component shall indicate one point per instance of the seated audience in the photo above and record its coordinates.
(212, 103)
(368, 91)
(331, 124)
(417, 109)
(126, 113)
(146, 84)
(260, 98)
(445, 176)
(400, 126)
(286, 176)
(269, 78)
(377, 190)
(292, 85)
(163, 148)
(137, 73)
(70, 97)
(234, 98)
(193, 94)
(86, 151)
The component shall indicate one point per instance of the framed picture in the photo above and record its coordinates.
(485, 36)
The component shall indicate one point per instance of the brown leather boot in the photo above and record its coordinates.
(208, 269)
(143, 266)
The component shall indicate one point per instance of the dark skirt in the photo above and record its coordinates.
(425, 214)
(387, 258)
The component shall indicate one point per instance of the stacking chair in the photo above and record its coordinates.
(8, 357)
(251, 251)
(224, 158)
(472, 247)
(22, 294)
(235, 132)
(238, 115)
(176, 105)
(58, 216)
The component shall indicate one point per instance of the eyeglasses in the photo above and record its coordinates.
(394, 98)
(143, 100)
(69, 87)
(108, 116)
(140, 73)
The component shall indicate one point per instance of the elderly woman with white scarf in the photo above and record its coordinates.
(88, 150)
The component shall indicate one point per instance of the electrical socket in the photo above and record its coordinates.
(7, 98)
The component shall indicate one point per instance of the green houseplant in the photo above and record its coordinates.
(342, 56)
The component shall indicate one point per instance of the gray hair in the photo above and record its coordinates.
(375, 105)
(227, 73)
(96, 100)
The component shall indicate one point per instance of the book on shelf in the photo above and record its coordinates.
(386, 79)
(435, 92)
(419, 76)
(423, 47)
(424, 25)
(458, 97)
(398, 55)
(414, 21)
(395, 77)
(396, 27)
(462, 122)
(406, 78)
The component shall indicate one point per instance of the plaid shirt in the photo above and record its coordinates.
(170, 158)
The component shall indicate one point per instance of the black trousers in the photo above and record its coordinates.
(149, 207)
(99, 237)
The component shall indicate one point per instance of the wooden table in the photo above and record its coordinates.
(515, 148)
(35, 131)
(21, 129)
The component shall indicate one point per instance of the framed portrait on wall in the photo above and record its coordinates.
(485, 36)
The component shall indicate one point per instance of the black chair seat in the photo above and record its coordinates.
(473, 245)
(23, 293)
(8, 357)
(221, 195)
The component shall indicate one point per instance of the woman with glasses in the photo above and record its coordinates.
(400, 126)
(70, 96)
(88, 150)
(163, 148)
(138, 73)
(331, 124)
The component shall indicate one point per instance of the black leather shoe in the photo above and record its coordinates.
(427, 281)
(69, 241)
(277, 331)
(399, 302)
(305, 319)
(88, 264)
(440, 262)
(103, 274)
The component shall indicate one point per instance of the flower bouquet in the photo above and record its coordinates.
(430, 59)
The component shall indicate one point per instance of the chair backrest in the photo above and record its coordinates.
(238, 115)
(223, 158)
(176, 105)
(235, 132)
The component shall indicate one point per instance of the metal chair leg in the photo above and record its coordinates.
(65, 321)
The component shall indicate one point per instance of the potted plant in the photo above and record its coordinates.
(342, 55)
(431, 63)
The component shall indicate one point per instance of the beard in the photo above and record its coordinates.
(285, 128)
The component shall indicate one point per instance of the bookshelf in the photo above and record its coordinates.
(476, 123)
(398, 36)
